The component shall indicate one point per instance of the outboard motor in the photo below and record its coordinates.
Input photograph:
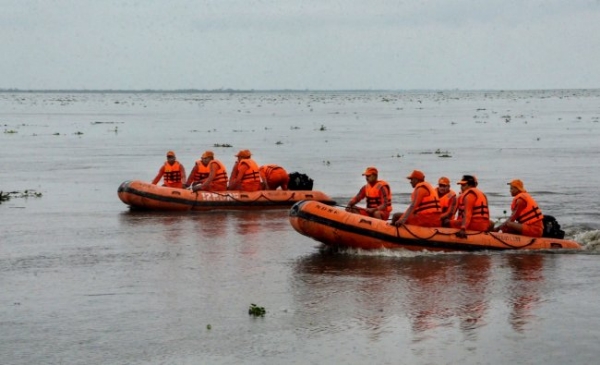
(300, 181)
(552, 228)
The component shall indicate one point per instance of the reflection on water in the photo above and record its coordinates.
(527, 278)
(207, 224)
(432, 291)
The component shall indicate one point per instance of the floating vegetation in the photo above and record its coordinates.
(441, 153)
(56, 134)
(326, 163)
(19, 194)
(78, 133)
(10, 131)
(323, 128)
(96, 122)
(222, 145)
(278, 142)
(294, 127)
(208, 327)
(256, 311)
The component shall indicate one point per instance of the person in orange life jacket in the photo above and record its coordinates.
(244, 175)
(473, 211)
(378, 194)
(273, 176)
(172, 172)
(424, 209)
(208, 174)
(448, 199)
(526, 218)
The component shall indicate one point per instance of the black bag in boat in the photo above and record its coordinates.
(300, 181)
(552, 228)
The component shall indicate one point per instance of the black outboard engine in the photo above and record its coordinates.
(300, 181)
(552, 228)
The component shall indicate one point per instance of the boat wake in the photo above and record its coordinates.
(590, 240)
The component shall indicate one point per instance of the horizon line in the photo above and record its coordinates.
(207, 91)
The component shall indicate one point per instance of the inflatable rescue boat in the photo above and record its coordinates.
(338, 228)
(143, 195)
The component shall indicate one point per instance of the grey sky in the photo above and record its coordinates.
(303, 44)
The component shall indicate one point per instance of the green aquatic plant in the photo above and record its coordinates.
(10, 131)
(323, 128)
(19, 194)
(222, 145)
(278, 142)
(441, 153)
(256, 311)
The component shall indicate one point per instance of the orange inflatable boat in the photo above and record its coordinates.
(143, 195)
(336, 227)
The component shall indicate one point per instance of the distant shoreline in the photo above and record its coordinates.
(240, 91)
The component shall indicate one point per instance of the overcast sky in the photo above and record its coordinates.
(302, 44)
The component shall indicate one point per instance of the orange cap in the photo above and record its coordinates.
(170, 153)
(208, 154)
(444, 181)
(244, 154)
(517, 184)
(416, 174)
(370, 171)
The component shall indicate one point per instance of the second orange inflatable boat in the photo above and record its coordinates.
(336, 227)
(143, 195)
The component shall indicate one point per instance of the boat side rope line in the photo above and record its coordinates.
(435, 232)
(513, 246)
(262, 195)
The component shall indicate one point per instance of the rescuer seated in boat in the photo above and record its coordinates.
(448, 199)
(424, 209)
(172, 172)
(244, 175)
(526, 218)
(208, 174)
(273, 176)
(473, 211)
(378, 194)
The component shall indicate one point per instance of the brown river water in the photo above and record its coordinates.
(84, 280)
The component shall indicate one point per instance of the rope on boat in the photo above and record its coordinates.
(262, 195)
(513, 246)
(436, 232)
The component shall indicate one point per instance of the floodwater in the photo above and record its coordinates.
(84, 280)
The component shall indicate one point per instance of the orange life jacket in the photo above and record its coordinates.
(374, 197)
(480, 208)
(251, 179)
(430, 204)
(445, 201)
(172, 173)
(531, 213)
(202, 172)
(266, 170)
